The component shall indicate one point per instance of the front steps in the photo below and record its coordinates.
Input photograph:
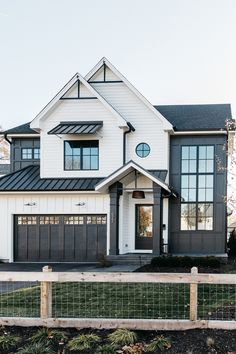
(139, 259)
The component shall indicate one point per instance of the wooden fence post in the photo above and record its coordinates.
(193, 297)
(46, 296)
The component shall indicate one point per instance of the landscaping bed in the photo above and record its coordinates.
(99, 341)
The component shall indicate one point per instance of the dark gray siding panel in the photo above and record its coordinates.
(16, 149)
(198, 242)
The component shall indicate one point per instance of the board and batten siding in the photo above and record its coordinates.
(148, 127)
(110, 139)
(51, 204)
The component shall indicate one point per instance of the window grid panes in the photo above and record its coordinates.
(197, 182)
(27, 154)
(142, 150)
(73, 220)
(81, 155)
(49, 220)
(27, 220)
(36, 153)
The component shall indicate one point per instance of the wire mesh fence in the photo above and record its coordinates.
(19, 299)
(217, 302)
(117, 300)
(142, 296)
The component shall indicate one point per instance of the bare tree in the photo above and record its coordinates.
(4, 147)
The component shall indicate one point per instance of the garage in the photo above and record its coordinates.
(59, 238)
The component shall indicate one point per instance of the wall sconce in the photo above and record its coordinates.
(80, 204)
(31, 204)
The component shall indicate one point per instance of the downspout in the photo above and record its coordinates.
(131, 129)
(6, 138)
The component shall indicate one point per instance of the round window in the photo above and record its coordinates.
(142, 150)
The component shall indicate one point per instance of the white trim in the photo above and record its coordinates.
(102, 186)
(166, 124)
(35, 122)
(199, 132)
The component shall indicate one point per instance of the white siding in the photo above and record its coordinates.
(45, 204)
(148, 127)
(99, 76)
(110, 139)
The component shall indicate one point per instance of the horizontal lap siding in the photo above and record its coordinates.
(45, 204)
(148, 127)
(110, 139)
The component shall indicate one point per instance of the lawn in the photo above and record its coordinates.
(128, 300)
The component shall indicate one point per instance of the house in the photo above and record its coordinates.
(101, 171)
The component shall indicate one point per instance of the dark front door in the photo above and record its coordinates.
(60, 238)
(144, 227)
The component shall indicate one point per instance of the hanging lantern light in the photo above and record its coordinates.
(137, 194)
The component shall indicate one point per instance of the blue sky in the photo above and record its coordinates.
(173, 51)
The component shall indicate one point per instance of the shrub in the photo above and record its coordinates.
(105, 349)
(83, 342)
(232, 243)
(185, 262)
(49, 337)
(122, 337)
(159, 343)
(35, 348)
(8, 341)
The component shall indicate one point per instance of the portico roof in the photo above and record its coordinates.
(130, 166)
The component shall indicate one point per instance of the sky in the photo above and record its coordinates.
(172, 51)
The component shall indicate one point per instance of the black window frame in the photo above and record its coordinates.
(198, 203)
(84, 144)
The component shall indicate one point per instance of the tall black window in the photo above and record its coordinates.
(81, 155)
(197, 181)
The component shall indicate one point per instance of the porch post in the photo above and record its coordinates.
(115, 191)
(157, 219)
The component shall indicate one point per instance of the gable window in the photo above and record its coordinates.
(197, 181)
(143, 150)
(30, 154)
(81, 155)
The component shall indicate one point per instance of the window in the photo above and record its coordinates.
(27, 220)
(142, 150)
(30, 153)
(197, 182)
(81, 155)
(49, 220)
(27, 154)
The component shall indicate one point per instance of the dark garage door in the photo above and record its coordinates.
(59, 238)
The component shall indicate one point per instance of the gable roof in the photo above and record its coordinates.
(35, 122)
(166, 124)
(197, 117)
(21, 129)
(122, 172)
(28, 179)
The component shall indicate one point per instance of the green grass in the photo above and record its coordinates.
(115, 300)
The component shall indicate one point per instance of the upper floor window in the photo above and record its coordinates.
(142, 150)
(81, 155)
(197, 181)
(30, 153)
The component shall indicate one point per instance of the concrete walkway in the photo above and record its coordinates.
(66, 267)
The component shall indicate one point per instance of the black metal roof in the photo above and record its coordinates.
(161, 174)
(21, 129)
(77, 128)
(197, 117)
(28, 179)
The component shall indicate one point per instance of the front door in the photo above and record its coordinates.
(144, 227)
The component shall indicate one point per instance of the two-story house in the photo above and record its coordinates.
(101, 171)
